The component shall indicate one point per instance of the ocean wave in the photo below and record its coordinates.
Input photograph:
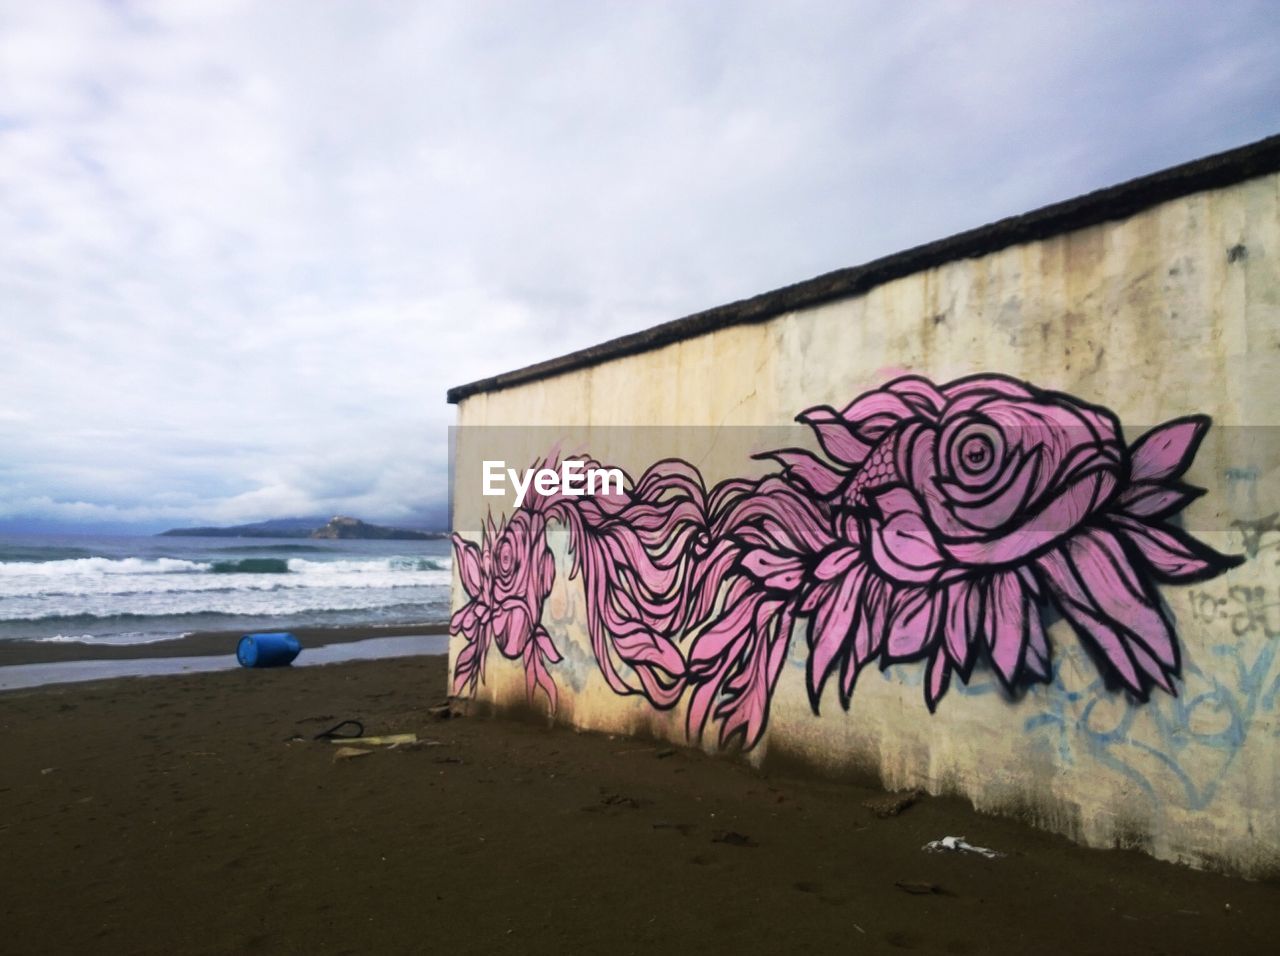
(97, 567)
(243, 603)
(251, 566)
(353, 566)
(89, 618)
(117, 590)
(127, 579)
(39, 554)
(14, 595)
(274, 549)
(204, 587)
(101, 566)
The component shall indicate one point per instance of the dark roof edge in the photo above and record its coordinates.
(1103, 205)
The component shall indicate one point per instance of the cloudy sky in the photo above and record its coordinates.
(245, 247)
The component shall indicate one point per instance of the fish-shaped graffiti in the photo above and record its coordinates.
(934, 523)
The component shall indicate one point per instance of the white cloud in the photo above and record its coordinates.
(245, 247)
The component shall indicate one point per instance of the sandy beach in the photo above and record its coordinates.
(196, 814)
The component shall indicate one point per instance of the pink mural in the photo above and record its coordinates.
(938, 524)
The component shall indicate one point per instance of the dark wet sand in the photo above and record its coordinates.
(175, 815)
(195, 644)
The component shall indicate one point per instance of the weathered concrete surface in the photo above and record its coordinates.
(1173, 311)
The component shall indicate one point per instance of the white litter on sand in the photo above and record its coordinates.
(958, 845)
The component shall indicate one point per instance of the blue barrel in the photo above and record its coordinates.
(267, 650)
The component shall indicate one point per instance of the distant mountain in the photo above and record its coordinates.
(338, 527)
(343, 527)
(276, 528)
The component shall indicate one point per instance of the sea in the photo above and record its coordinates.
(97, 589)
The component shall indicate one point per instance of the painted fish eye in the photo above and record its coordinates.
(505, 557)
(976, 453)
(973, 452)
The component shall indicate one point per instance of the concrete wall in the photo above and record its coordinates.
(1172, 312)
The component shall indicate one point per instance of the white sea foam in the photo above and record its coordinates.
(130, 577)
(140, 598)
(111, 640)
(88, 567)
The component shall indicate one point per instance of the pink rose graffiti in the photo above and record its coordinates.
(962, 511)
(939, 524)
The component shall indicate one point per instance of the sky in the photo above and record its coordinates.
(245, 247)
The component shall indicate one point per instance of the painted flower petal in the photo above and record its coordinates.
(1167, 451)
(468, 556)
(829, 630)
(1103, 568)
(836, 562)
(512, 628)
(1173, 555)
(937, 680)
(547, 647)
(874, 413)
(902, 544)
(920, 393)
(817, 595)
(781, 571)
(808, 469)
(745, 711)
(464, 669)
(777, 514)
(985, 385)
(464, 620)
(715, 643)
(868, 634)
(548, 572)
(1089, 621)
(1152, 501)
(1006, 608)
(700, 703)
(913, 624)
(962, 623)
(1036, 661)
(536, 675)
(836, 435)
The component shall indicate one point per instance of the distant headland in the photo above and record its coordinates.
(339, 526)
